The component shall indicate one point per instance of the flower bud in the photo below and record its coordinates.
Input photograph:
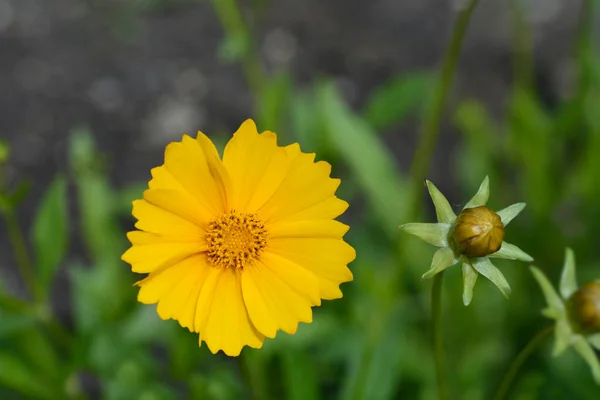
(584, 308)
(477, 232)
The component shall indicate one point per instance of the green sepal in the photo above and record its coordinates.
(482, 195)
(443, 210)
(563, 337)
(485, 267)
(442, 259)
(469, 278)
(587, 353)
(435, 234)
(509, 213)
(594, 340)
(555, 304)
(568, 279)
(511, 252)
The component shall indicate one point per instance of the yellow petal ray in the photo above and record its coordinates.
(329, 208)
(306, 184)
(188, 164)
(256, 166)
(228, 326)
(142, 238)
(179, 302)
(157, 220)
(158, 284)
(153, 257)
(216, 167)
(173, 202)
(325, 257)
(302, 281)
(307, 229)
(260, 310)
(285, 306)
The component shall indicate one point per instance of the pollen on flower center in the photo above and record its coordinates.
(235, 240)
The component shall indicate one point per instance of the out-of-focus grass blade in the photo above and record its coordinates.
(397, 99)
(299, 376)
(477, 156)
(371, 163)
(272, 103)
(40, 353)
(50, 231)
(532, 144)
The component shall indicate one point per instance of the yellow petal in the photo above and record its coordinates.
(306, 185)
(157, 220)
(180, 301)
(173, 201)
(152, 257)
(228, 326)
(286, 307)
(256, 165)
(189, 165)
(158, 284)
(307, 229)
(326, 258)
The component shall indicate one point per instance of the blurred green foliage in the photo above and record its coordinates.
(375, 342)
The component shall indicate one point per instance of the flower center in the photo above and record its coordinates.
(235, 240)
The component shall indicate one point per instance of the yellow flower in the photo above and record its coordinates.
(240, 247)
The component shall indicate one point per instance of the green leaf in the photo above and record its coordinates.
(511, 252)
(482, 195)
(12, 324)
(50, 231)
(370, 161)
(393, 101)
(443, 210)
(442, 259)
(469, 278)
(299, 376)
(485, 267)
(509, 213)
(40, 353)
(568, 280)
(435, 234)
(14, 374)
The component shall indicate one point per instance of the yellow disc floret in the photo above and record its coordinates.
(235, 240)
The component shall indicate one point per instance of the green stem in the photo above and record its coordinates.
(519, 360)
(24, 263)
(522, 42)
(438, 345)
(433, 115)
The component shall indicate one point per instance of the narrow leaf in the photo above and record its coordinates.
(562, 337)
(435, 234)
(443, 210)
(568, 280)
(370, 161)
(482, 195)
(50, 231)
(485, 267)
